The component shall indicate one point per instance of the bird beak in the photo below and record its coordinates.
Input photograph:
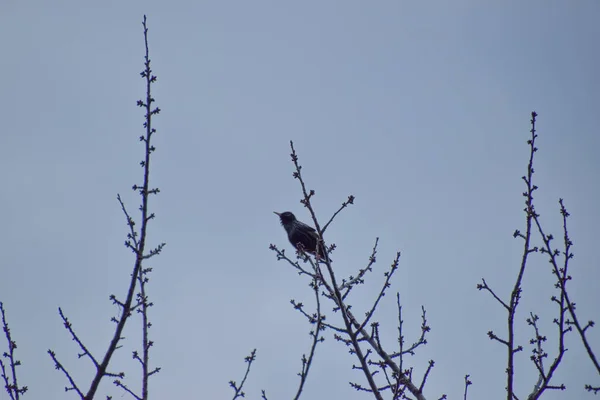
(278, 214)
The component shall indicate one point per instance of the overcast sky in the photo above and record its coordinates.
(419, 109)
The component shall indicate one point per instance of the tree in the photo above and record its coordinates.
(136, 299)
(384, 368)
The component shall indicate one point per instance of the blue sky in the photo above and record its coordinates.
(420, 110)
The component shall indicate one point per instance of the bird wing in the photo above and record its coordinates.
(309, 230)
(307, 227)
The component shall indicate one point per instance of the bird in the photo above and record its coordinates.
(300, 235)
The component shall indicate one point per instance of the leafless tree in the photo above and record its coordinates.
(383, 365)
(383, 369)
(565, 318)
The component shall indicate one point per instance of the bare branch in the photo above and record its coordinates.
(467, 384)
(344, 205)
(318, 320)
(484, 286)
(136, 241)
(429, 367)
(386, 284)
(564, 301)
(354, 332)
(515, 296)
(359, 279)
(60, 367)
(238, 389)
(69, 327)
(11, 383)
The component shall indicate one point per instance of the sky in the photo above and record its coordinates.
(419, 109)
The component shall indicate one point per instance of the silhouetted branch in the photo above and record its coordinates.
(527, 250)
(238, 389)
(594, 389)
(281, 256)
(421, 341)
(484, 286)
(316, 319)
(511, 306)
(562, 276)
(142, 303)
(429, 367)
(11, 383)
(69, 327)
(538, 353)
(467, 384)
(60, 367)
(344, 205)
(136, 241)
(352, 332)
(565, 306)
(121, 385)
(348, 284)
(386, 285)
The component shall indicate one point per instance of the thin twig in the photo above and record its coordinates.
(485, 286)
(307, 362)
(565, 304)
(60, 367)
(344, 205)
(69, 327)
(11, 383)
(386, 284)
(359, 279)
(467, 384)
(516, 292)
(238, 389)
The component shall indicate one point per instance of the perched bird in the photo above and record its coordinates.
(300, 234)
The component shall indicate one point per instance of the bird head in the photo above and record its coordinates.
(287, 218)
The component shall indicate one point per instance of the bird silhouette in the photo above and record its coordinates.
(300, 234)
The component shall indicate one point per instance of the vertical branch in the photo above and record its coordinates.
(145, 193)
(136, 242)
(562, 276)
(511, 306)
(143, 279)
(467, 384)
(516, 292)
(10, 382)
(565, 306)
(335, 292)
(238, 389)
(141, 274)
(352, 328)
(316, 319)
(145, 341)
